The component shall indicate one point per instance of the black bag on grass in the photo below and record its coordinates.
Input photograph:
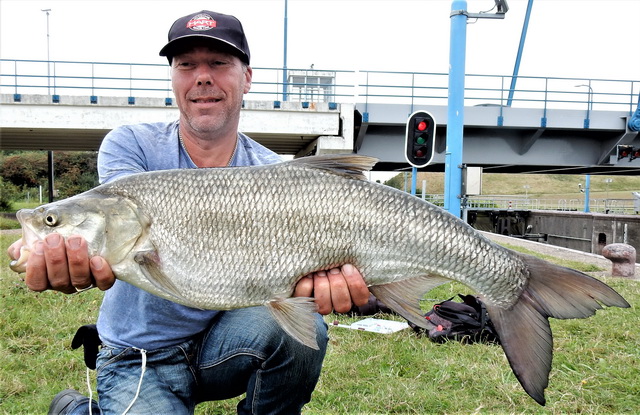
(467, 322)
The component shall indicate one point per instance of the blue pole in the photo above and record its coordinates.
(414, 180)
(455, 112)
(587, 188)
(284, 66)
(516, 67)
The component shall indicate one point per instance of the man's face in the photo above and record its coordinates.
(209, 87)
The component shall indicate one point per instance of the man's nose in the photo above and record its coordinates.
(204, 78)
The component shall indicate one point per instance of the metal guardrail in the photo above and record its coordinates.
(153, 80)
(608, 206)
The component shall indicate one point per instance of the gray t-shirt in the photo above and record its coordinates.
(129, 316)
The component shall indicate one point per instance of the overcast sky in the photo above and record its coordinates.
(573, 38)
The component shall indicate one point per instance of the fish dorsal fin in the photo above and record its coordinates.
(350, 165)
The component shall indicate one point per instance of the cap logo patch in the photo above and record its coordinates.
(201, 22)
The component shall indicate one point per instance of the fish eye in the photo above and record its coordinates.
(51, 219)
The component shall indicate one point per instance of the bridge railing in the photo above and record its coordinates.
(519, 202)
(344, 86)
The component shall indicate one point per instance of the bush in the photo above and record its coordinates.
(8, 193)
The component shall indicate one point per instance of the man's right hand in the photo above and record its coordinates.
(63, 265)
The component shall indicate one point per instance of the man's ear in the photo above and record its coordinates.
(248, 74)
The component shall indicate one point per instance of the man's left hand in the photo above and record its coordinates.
(338, 289)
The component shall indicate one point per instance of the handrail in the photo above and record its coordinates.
(20, 76)
(520, 202)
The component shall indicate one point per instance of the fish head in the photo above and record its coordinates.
(111, 225)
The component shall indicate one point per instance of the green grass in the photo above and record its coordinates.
(542, 186)
(577, 265)
(595, 370)
(7, 223)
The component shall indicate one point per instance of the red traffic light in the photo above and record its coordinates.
(420, 139)
(625, 151)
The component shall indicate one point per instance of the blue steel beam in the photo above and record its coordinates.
(516, 68)
(634, 121)
(455, 112)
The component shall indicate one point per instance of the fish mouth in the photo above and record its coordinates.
(29, 238)
(20, 265)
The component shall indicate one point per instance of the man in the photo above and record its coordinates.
(157, 356)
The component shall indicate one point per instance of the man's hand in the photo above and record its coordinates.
(63, 265)
(338, 289)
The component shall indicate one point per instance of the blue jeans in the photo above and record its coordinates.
(244, 350)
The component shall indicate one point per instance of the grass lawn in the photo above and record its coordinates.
(596, 368)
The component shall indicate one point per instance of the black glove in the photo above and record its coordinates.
(88, 336)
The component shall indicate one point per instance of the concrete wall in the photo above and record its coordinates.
(587, 232)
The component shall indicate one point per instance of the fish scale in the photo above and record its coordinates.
(240, 237)
(302, 224)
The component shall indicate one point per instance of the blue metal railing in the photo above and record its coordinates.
(412, 88)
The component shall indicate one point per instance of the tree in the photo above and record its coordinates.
(74, 171)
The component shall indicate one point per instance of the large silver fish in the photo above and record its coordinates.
(240, 237)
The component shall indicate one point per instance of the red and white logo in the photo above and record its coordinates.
(201, 22)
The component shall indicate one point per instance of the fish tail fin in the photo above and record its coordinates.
(525, 334)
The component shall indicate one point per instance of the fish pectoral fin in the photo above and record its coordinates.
(297, 317)
(149, 263)
(404, 296)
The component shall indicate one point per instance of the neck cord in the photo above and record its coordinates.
(184, 147)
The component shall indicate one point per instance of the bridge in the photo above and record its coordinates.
(559, 125)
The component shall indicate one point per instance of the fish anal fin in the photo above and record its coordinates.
(350, 165)
(523, 328)
(404, 296)
(297, 317)
(149, 263)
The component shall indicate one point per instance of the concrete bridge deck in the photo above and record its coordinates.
(554, 125)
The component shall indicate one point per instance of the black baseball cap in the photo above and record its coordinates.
(207, 26)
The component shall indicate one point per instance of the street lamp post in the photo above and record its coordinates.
(48, 55)
(49, 153)
(589, 102)
(285, 81)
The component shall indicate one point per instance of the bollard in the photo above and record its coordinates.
(623, 258)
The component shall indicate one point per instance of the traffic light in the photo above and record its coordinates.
(420, 139)
(626, 151)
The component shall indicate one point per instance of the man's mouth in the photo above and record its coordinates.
(205, 100)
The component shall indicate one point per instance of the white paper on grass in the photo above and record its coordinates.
(375, 325)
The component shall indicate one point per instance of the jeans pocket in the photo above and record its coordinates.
(107, 355)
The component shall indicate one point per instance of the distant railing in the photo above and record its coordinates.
(413, 88)
(519, 202)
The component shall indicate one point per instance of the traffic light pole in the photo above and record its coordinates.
(455, 113)
(414, 180)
